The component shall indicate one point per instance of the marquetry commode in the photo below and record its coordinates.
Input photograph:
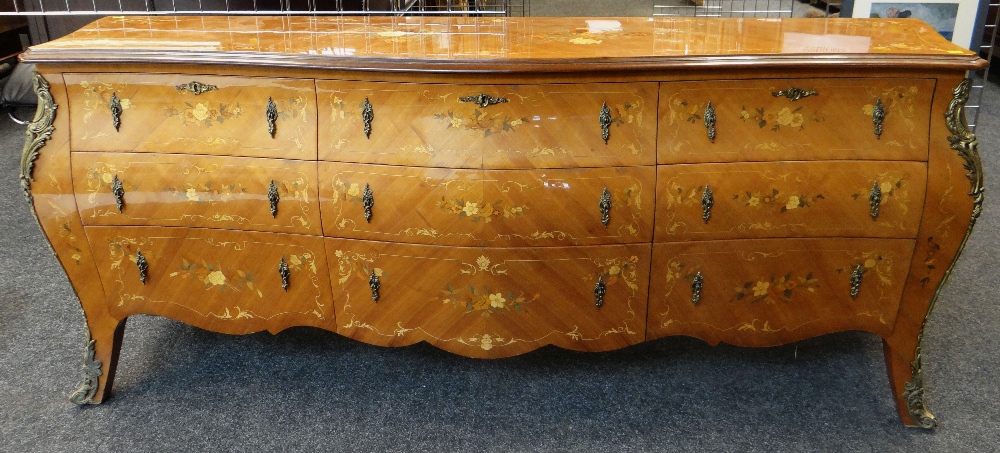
(491, 186)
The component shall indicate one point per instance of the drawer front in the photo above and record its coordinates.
(752, 124)
(222, 281)
(789, 199)
(566, 207)
(197, 191)
(482, 302)
(773, 291)
(415, 205)
(157, 116)
(535, 126)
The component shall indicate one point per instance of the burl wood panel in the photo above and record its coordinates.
(789, 199)
(752, 124)
(55, 207)
(224, 281)
(768, 292)
(410, 204)
(157, 117)
(540, 126)
(197, 191)
(562, 207)
(490, 302)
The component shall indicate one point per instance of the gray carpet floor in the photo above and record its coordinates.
(181, 388)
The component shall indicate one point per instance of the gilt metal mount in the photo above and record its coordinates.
(710, 121)
(272, 116)
(375, 285)
(119, 192)
(878, 115)
(367, 115)
(856, 277)
(91, 375)
(483, 100)
(696, 287)
(284, 273)
(875, 199)
(272, 196)
(707, 201)
(116, 111)
(140, 262)
(368, 200)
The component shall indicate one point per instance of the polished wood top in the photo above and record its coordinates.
(536, 44)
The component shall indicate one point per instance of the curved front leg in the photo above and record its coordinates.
(45, 180)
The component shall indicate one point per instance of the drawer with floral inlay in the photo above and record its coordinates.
(224, 281)
(178, 113)
(767, 292)
(239, 193)
(794, 119)
(789, 199)
(487, 207)
(490, 302)
(496, 126)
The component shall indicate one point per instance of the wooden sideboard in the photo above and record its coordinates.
(491, 186)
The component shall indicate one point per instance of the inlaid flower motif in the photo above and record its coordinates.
(753, 201)
(773, 199)
(480, 120)
(775, 288)
(471, 208)
(483, 262)
(784, 117)
(479, 211)
(497, 301)
(793, 202)
(200, 112)
(216, 278)
(192, 194)
(354, 190)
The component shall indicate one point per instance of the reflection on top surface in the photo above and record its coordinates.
(529, 38)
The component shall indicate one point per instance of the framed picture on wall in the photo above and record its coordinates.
(954, 19)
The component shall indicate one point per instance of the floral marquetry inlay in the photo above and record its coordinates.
(481, 121)
(776, 288)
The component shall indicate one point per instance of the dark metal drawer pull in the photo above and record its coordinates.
(710, 121)
(605, 119)
(875, 199)
(375, 285)
(272, 196)
(707, 200)
(272, 116)
(284, 273)
(116, 111)
(696, 287)
(119, 192)
(856, 277)
(140, 262)
(368, 200)
(599, 291)
(605, 206)
(367, 115)
(878, 115)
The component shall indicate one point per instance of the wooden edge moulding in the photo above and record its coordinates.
(372, 150)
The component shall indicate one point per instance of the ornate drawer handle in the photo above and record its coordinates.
(878, 115)
(605, 122)
(272, 116)
(374, 284)
(116, 111)
(856, 277)
(696, 287)
(605, 206)
(119, 192)
(196, 88)
(599, 291)
(483, 100)
(140, 262)
(368, 200)
(875, 199)
(284, 273)
(272, 196)
(794, 93)
(710, 121)
(367, 115)
(707, 200)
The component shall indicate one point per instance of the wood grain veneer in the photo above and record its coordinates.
(492, 230)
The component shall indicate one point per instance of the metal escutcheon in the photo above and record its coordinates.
(367, 115)
(483, 100)
(599, 291)
(794, 94)
(196, 88)
(284, 273)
